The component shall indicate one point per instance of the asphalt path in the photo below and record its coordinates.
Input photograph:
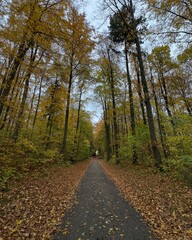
(101, 213)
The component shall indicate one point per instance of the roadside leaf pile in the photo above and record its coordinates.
(34, 207)
(164, 203)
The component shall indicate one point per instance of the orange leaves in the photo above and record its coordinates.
(33, 208)
(165, 204)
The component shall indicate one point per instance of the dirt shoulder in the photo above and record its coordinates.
(35, 205)
(165, 204)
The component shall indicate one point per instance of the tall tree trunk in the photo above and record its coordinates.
(163, 88)
(107, 131)
(141, 101)
(161, 132)
(37, 106)
(25, 93)
(51, 114)
(4, 92)
(31, 104)
(131, 105)
(64, 142)
(154, 142)
(116, 144)
(76, 139)
(125, 121)
(15, 107)
(49, 129)
(7, 111)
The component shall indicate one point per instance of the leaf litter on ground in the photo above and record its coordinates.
(163, 202)
(34, 207)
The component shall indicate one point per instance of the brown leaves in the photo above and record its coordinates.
(165, 204)
(34, 208)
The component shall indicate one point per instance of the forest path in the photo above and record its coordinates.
(100, 213)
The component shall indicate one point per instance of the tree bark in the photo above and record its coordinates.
(107, 131)
(158, 117)
(140, 92)
(154, 143)
(116, 144)
(9, 109)
(31, 104)
(131, 105)
(51, 114)
(23, 48)
(64, 142)
(75, 151)
(37, 106)
(165, 96)
(25, 93)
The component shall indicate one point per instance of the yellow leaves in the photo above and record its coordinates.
(189, 232)
(65, 232)
(165, 204)
(186, 55)
(78, 37)
(174, 215)
(18, 222)
(36, 205)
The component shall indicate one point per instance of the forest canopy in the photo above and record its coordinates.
(50, 58)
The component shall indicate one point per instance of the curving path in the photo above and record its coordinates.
(100, 213)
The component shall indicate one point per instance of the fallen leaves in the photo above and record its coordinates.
(35, 206)
(165, 204)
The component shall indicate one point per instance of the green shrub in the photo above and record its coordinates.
(5, 175)
(27, 147)
(180, 168)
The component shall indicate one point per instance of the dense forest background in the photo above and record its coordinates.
(50, 56)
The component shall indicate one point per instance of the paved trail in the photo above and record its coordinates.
(101, 213)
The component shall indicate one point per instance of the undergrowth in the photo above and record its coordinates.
(21, 158)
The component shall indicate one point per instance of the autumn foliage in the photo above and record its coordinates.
(51, 61)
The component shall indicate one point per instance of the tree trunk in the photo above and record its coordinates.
(37, 106)
(64, 142)
(31, 104)
(165, 96)
(107, 131)
(7, 111)
(23, 48)
(51, 114)
(132, 111)
(16, 104)
(158, 117)
(154, 143)
(25, 93)
(140, 92)
(116, 144)
(76, 139)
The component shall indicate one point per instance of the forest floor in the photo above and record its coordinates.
(163, 202)
(36, 206)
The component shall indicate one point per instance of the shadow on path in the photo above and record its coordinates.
(101, 213)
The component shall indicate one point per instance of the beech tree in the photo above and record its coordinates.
(176, 17)
(133, 31)
(102, 90)
(77, 48)
(25, 29)
(161, 59)
(119, 33)
(45, 51)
